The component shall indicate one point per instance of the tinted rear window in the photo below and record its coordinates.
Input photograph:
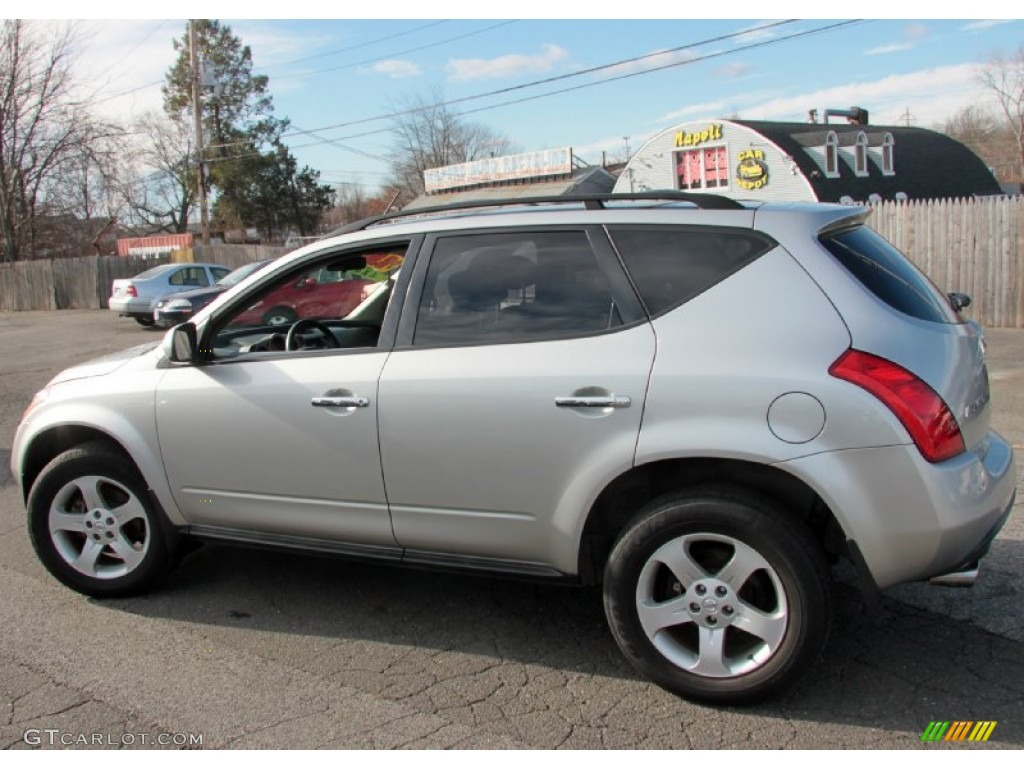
(890, 275)
(671, 265)
(149, 273)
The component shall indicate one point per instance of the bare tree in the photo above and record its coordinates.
(1004, 77)
(988, 136)
(44, 128)
(81, 202)
(428, 134)
(159, 187)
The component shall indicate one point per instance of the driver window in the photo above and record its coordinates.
(336, 302)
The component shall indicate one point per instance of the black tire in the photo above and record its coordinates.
(146, 322)
(702, 629)
(95, 526)
(280, 316)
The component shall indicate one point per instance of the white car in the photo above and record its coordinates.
(135, 297)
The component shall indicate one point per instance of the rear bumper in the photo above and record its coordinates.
(924, 519)
(131, 307)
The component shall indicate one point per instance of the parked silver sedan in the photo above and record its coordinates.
(134, 297)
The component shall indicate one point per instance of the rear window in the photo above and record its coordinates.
(890, 275)
(154, 272)
(671, 265)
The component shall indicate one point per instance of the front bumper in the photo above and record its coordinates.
(167, 319)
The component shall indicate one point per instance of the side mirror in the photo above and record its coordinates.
(959, 301)
(180, 344)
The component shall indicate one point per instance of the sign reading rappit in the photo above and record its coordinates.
(528, 165)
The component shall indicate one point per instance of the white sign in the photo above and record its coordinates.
(528, 165)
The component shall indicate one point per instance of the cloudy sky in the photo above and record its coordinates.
(597, 85)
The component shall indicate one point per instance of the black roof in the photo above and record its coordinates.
(928, 164)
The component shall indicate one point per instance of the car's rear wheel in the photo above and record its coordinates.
(144, 321)
(95, 527)
(717, 595)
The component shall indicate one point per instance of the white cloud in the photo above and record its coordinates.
(983, 24)
(757, 32)
(119, 62)
(272, 45)
(915, 31)
(394, 68)
(652, 61)
(732, 70)
(506, 66)
(931, 95)
(892, 48)
(708, 108)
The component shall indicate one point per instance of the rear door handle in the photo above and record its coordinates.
(352, 401)
(593, 401)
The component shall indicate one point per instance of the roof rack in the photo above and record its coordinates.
(590, 202)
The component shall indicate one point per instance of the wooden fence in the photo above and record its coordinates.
(84, 282)
(972, 246)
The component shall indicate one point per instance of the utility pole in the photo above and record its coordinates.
(197, 116)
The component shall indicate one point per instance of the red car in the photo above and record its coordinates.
(318, 294)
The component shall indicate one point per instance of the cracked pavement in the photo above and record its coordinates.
(258, 649)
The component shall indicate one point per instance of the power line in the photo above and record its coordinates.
(556, 78)
(356, 47)
(397, 53)
(705, 57)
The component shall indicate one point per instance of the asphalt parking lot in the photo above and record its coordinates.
(252, 649)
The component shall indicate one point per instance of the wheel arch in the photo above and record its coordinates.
(54, 440)
(619, 501)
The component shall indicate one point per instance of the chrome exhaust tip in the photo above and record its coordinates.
(964, 578)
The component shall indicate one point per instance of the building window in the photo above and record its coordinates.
(704, 168)
(888, 167)
(861, 155)
(831, 155)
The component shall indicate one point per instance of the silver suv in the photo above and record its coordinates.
(700, 404)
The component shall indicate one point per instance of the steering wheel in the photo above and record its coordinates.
(293, 341)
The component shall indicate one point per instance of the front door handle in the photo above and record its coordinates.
(351, 401)
(593, 401)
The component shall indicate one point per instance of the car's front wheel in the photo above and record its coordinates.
(94, 525)
(717, 595)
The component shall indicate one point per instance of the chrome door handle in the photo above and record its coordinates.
(352, 401)
(593, 401)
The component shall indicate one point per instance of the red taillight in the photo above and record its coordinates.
(924, 414)
(130, 290)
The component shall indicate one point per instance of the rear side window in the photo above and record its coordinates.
(514, 287)
(671, 265)
(888, 274)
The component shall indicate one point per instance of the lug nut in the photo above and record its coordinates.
(727, 610)
(721, 591)
(110, 521)
(712, 620)
(110, 534)
(88, 523)
(695, 607)
(701, 589)
(96, 536)
(97, 514)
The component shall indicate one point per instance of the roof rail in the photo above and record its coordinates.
(591, 202)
